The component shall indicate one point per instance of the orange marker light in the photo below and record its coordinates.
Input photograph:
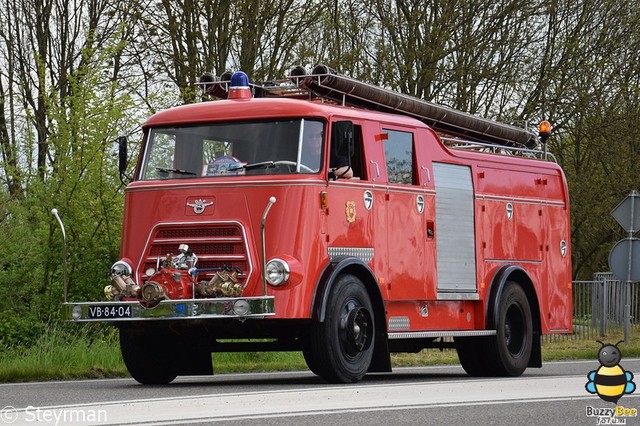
(544, 129)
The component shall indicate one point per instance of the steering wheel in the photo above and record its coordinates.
(289, 164)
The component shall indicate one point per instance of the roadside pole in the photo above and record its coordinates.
(624, 258)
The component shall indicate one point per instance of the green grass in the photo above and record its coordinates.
(87, 352)
(71, 352)
(562, 348)
(258, 361)
(588, 349)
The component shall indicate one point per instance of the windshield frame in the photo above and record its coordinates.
(251, 147)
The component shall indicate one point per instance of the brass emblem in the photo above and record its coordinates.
(350, 211)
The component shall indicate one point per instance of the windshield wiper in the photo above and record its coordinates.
(178, 171)
(261, 165)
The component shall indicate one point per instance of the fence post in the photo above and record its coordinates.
(604, 306)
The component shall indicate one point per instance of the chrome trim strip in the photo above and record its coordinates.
(172, 184)
(457, 296)
(493, 260)
(363, 253)
(358, 184)
(443, 333)
(519, 200)
(371, 185)
(259, 307)
(405, 188)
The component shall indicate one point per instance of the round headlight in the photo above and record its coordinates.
(277, 272)
(121, 268)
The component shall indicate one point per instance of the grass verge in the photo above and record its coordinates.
(93, 352)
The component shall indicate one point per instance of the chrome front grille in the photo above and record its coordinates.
(216, 245)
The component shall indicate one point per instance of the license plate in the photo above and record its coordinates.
(109, 311)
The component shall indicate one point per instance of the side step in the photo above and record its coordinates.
(441, 333)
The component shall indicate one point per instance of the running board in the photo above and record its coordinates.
(443, 333)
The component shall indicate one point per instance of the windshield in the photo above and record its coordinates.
(243, 148)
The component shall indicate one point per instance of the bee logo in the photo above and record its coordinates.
(610, 381)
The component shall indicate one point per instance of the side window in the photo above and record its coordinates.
(346, 149)
(359, 171)
(398, 151)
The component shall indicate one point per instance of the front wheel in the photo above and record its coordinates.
(148, 357)
(340, 349)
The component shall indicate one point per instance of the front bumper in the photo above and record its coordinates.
(241, 308)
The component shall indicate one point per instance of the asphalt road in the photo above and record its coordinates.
(553, 395)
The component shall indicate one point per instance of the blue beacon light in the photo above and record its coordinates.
(239, 86)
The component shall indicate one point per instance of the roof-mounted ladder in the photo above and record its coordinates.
(325, 84)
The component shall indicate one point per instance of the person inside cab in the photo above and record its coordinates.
(339, 167)
(339, 160)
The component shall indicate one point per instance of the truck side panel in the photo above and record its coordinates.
(523, 220)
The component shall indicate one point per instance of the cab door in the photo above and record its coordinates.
(406, 206)
(355, 212)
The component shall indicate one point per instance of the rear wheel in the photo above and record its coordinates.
(473, 357)
(148, 357)
(340, 349)
(514, 332)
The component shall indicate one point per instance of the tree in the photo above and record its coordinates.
(60, 111)
(588, 86)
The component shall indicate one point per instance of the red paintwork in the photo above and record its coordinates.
(299, 230)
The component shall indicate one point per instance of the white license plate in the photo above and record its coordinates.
(109, 311)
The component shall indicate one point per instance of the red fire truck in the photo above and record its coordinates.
(242, 232)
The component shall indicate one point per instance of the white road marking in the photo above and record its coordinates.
(326, 399)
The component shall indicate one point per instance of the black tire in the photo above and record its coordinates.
(148, 357)
(514, 333)
(309, 358)
(341, 347)
(472, 353)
